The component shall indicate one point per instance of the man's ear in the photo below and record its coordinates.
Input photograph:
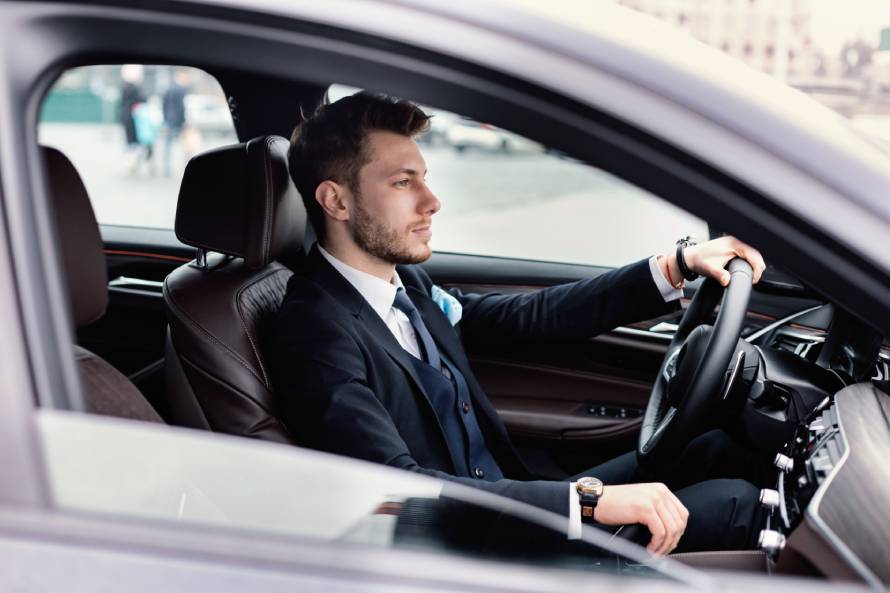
(329, 196)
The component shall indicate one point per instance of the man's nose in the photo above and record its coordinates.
(430, 203)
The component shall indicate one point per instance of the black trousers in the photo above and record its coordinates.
(715, 478)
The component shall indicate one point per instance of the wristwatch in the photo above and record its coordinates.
(589, 492)
(687, 274)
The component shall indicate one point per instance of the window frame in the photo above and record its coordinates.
(85, 34)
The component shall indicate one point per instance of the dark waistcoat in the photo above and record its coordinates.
(454, 409)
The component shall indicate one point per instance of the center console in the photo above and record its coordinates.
(818, 446)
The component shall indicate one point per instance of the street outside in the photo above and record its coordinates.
(525, 204)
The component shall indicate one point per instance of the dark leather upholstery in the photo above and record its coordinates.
(105, 390)
(83, 258)
(238, 201)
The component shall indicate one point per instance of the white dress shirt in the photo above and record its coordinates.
(381, 294)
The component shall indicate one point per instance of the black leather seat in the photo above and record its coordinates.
(239, 207)
(105, 390)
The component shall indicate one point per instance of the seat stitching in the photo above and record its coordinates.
(250, 339)
(182, 316)
(267, 222)
(209, 375)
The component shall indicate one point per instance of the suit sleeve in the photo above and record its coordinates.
(327, 402)
(572, 311)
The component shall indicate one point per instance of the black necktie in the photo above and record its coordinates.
(404, 304)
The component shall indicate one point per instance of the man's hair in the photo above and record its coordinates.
(331, 144)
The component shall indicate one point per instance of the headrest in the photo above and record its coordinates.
(80, 243)
(240, 200)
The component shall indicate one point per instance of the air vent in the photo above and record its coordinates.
(797, 343)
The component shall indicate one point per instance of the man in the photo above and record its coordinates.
(368, 355)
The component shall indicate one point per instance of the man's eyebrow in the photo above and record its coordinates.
(407, 171)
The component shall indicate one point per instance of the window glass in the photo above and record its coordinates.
(112, 467)
(504, 195)
(129, 130)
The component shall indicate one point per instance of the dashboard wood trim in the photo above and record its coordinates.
(846, 511)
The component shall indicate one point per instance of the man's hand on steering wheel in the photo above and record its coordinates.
(710, 258)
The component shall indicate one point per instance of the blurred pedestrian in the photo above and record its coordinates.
(131, 95)
(147, 127)
(174, 115)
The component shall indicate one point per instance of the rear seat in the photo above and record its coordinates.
(105, 389)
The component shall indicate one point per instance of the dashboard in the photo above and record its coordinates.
(826, 513)
(832, 489)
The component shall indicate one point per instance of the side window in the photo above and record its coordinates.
(504, 195)
(129, 130)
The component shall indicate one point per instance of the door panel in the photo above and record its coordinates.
(131, 334)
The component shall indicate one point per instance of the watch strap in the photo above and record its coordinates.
(687, 274)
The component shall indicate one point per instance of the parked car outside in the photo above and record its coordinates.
(465, 133)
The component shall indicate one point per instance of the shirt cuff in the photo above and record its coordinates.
(668, 292)
(574, 531)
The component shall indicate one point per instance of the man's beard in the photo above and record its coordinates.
(381, 241)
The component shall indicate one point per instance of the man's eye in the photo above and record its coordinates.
(402, 182)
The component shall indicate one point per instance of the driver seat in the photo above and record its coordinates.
(239, 207)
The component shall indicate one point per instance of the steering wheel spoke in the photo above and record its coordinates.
(666, 420)
(669, 368)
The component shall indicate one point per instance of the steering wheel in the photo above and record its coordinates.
(697, 360)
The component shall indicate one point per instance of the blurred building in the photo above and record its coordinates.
(773, 36)
(776, 37)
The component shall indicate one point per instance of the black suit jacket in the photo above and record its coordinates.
(346, 385)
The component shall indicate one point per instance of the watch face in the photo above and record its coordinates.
(589, 485)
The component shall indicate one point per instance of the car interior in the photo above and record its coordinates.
(170, 327)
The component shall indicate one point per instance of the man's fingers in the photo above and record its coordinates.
(674, 508)
(657, 528)
(753, 257)
(671, 524)
(756, 260)
(717, 271)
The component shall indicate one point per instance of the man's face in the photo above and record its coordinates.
(392, 212)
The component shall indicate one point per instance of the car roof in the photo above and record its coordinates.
(806, 157)
(636, 47)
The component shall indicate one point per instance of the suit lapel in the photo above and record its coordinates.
(323, 273)
(439, 327)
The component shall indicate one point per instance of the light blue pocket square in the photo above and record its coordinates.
(449, 305)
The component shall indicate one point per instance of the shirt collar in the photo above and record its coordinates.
(378, 293)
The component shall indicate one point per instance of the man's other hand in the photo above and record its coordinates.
(652, 505)
(710, 258)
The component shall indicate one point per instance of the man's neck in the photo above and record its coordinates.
(361, 260)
